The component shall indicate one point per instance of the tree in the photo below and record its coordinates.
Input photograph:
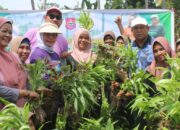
(33, 5)
(2, 8)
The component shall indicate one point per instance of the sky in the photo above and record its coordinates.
(26, 4)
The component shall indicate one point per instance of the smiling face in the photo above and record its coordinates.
(84, 40)
(23, 51)
(140, 31)
(54, 18)
(159, 52)
(109, 40)
(5, 35)
(49, 39)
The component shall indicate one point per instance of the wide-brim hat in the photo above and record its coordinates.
(49, 28)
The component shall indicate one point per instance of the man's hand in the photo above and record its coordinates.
(118, 20)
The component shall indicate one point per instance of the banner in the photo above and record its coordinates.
(103, 21)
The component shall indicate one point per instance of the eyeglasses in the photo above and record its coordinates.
(52, 16)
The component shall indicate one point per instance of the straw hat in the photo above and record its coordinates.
(49, 28)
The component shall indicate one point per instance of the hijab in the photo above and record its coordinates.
(16, 42)
(110, 33)
(42, 45)
(165, 44)
(11, 74)
(77, 54)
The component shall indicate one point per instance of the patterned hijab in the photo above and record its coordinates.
(81, 55)
(152, 68)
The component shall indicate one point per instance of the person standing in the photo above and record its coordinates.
(53, 15)
(142, 42)
(13, 79)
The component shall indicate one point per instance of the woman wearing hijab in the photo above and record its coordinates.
(82, 45)
(47, 35)
(13, 79)
(161, 49)
(81, 54)
(21, 46)
(109, 38)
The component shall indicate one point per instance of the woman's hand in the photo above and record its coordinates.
(114, 85)
(33, 95)
(45, 91)
(29, 94)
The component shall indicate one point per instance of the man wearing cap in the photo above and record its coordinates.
(53, 15)
(156, 28)
(142, 42)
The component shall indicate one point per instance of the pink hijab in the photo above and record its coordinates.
(11, 73)
(81, 55)
(152, 68)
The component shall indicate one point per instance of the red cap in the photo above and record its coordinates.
(53, 9)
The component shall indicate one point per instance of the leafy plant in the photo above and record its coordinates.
(164, 106)
(36, 73)
(80, 86)
(93, 124)
(12, 117)
(85, 20)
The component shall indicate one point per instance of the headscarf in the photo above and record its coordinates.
(11, 74)
(77, 54)
(152, 68)
(42, 45)
(16, 42)
(3, 21)
(124, 38)
(46, 28)
(109, 33)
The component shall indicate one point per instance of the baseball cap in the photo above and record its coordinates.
(49, 28)
(139, 20)
(154, 16)
(54, 9)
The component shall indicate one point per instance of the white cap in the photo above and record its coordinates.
(139, 20)
(154, 16)
(49, 28)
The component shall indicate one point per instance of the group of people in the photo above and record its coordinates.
(47, 43)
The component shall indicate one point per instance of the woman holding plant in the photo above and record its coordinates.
(13, 79)
(53, 99)
(161, 49)
(80, 55)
